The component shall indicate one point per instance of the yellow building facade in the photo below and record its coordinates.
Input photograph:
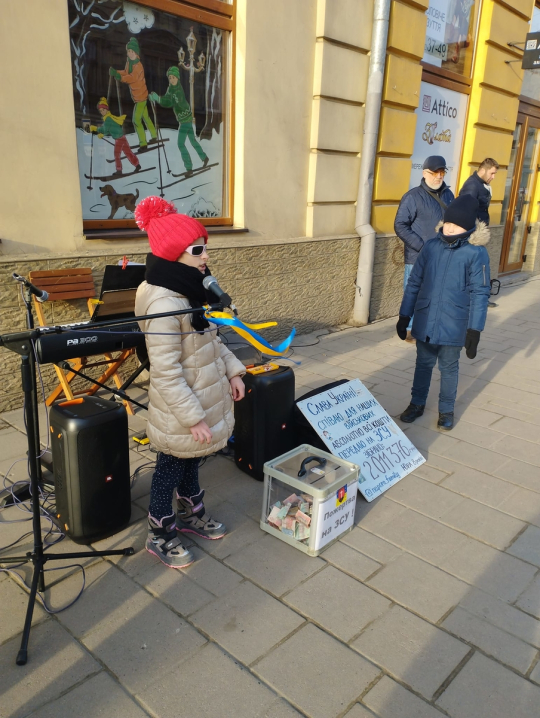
(286, 157)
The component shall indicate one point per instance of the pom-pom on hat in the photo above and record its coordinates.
(103, 103)
(169, 232)
(133, 44)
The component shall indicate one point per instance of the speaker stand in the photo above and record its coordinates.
(22, 343)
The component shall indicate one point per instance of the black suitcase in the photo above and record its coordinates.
(90, 453)
(264, 420)
(304, 432)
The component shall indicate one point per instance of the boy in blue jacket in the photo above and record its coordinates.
(448, 293)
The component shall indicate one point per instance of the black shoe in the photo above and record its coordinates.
(142, 148)
(137, 168)
(118, 173)
(205, 163)
(412, 412)
(446, 421)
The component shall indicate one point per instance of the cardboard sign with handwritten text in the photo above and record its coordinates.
(354, 426)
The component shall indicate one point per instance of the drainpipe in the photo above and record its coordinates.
(364, 277)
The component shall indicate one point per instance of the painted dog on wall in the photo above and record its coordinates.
(118, 200)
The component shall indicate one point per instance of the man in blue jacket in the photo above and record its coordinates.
(420, 210)
(478, 185)
(447, 292)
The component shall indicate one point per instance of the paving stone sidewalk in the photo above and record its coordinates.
(430, 607)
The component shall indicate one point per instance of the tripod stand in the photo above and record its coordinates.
(23, 344)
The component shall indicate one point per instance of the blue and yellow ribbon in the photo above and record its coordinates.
(227, 319)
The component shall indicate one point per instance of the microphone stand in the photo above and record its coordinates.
(23, 343)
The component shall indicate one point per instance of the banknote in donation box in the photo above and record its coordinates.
(355, 427)
(309, 498)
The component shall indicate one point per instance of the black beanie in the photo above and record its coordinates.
(463, 211)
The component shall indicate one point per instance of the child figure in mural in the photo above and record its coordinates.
(175, 98)
(112, 127)
(133, 75)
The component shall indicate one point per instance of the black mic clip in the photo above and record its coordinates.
(40, 294)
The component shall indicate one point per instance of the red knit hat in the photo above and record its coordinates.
(169, 232)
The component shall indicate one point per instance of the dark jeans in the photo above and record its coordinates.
(172, 473)
(406, 275)
(426, 358)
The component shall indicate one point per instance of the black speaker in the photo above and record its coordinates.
(304, 432)
(90, 453)
(263, 420)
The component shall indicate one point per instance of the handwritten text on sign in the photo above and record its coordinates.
(354, 426)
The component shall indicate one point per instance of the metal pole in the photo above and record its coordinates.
(119, 98)
(364, 277)
(162, 193)
(91, 158)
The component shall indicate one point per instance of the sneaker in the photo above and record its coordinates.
(191, 517)
(412, 412)
(164, 543)
(446, 421)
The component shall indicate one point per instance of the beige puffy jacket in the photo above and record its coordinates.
(189, 377)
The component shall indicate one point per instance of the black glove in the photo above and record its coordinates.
(471, 342)
(401, 326)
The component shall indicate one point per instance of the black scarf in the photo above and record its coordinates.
(454, 238)
(184, 280)
(435, 193)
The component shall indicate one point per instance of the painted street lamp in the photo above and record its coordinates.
(191, 66)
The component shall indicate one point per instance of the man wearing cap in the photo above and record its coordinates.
(175, 98)
(133, 76)
(448, 293)
(419, 211)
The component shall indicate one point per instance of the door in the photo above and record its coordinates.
(522, 169)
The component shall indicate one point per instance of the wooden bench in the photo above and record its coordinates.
(76, 283)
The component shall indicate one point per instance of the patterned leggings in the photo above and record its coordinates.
(172, 473)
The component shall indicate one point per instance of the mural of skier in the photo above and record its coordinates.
(112, 127)
(133, 76)
(131, 142)
(176, 99)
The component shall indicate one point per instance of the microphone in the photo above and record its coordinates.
(40, 294)
(210, 283)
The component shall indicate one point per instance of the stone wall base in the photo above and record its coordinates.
(307, 285)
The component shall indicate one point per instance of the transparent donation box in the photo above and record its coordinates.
(309, 498)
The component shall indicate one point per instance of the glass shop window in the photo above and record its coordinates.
(151, 89)
(451, 35)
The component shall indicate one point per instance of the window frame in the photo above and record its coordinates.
(222, 15)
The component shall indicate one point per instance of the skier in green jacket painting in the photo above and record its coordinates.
(175, 98)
